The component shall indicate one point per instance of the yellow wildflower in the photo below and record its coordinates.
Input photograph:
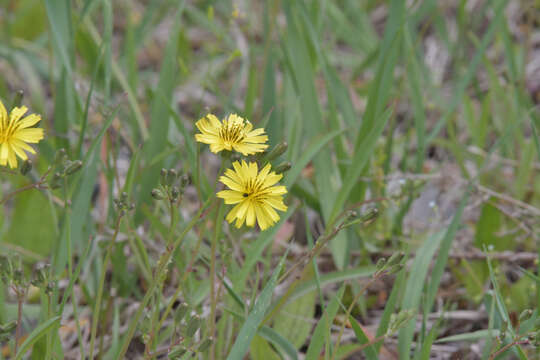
(254, 194)
(234, 133)
(15, 133)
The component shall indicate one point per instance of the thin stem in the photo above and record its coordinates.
(508, 346)
(20, 300)
(217, 231)
(185, 274)
(36, 185)
(99, 296)
(213, 300)
(155, 318)
(351, 306)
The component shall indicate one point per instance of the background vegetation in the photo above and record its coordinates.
(421, 116)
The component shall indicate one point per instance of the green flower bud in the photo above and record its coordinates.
(26, 167)
(283, 167)
(205, 344)
(193, 325)
(181, 311)
(525, 315)
(163, 177)
(395, 258)
(175, 192)
(56, 181)
(6, 267)
(157, 194)
(171, 178)
(370, 215)
(73, 166)
(380, 264)
(177, 352)
(17, 99)
(8, 327)
(60, 157)
(277, 151)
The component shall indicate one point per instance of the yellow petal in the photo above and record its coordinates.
(32, 135)
(28, 121)
(250, 215)
(16, 113)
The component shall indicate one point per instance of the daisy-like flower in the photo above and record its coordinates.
(233, 133)
(254, 194)
(16, 132)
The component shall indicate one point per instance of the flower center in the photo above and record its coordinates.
(232, 133)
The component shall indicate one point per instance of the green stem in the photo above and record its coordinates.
(213, 300)
(217, 233)
(162, 266)
(99, 296)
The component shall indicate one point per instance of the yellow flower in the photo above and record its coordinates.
(233, 133)
(15, 133)
(254, 195)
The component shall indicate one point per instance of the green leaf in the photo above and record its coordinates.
(294, 320)
(260, 349)
(159, 113)
(322, 330)
(31, 207)
(470, 336)
(254, 319)
(413, 290)
(370, 351)
(36, 334)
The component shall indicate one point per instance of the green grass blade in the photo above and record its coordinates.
(37, 334)
(254, 319)
(413, 290)
(159, 113)
(370, 351)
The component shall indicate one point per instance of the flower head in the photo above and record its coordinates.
(233, 133)
(253, 193)
(15, 134)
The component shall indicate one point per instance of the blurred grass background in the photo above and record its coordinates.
(424, 110)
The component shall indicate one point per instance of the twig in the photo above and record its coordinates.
(508, 346)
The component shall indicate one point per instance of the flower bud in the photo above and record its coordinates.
(8, 327)
(73, 166)
(395, 258)
(205, 344)
(283, 167)
(157, 194)
(380, 264)
(56, 181)
(370, 215)
(17, 99)
(177, 352)
(175, 192)
(163, 177)
(171, 178)
(277, 151)
(525, 315)
(60, 157)
(184, 181)
(193, 325)
(6, 267)
(26, 167)
(181, 311)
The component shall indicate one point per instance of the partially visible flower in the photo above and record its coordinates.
(15, 134)
(233, 133)
(254, 194)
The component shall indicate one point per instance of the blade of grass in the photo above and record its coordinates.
(40, 331)
(159, 113)
(254, 319)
